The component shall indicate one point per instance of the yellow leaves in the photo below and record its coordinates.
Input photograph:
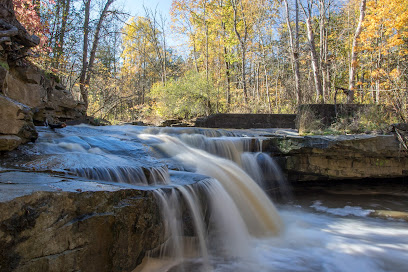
(385, 25)
(395, 74)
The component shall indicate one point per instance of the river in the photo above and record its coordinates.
(219, 176)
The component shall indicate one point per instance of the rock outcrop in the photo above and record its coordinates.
(41, 92)
(28, 95)
(339, 157)
(16, 124)
(54, 224)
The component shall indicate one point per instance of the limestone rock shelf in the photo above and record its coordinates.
(339, 157)
(49, 223)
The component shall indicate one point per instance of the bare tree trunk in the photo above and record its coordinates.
(66, 6)
(96, 41)
(353, 61)
(242, 42)
(228, 76)
(294, 45)
(313, 52)
(207, 65)
(195, 54)
(82, 78)
(163, 30)
(268, 96)
(323, 51)
(87, 66)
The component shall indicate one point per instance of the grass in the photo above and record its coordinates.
(373, 119)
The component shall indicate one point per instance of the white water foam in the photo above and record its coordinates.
(315, 242)
(347, 210)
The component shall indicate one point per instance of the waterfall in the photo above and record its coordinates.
(210, 189)
(208, 185)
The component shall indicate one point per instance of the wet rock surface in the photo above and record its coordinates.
(50, 223)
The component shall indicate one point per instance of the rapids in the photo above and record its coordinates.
(211, 187)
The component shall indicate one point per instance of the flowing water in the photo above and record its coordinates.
(211, 187)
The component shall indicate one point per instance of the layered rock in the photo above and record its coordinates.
(28, 95)
(53, 224)
(42, 92)
(16, 121)
(339, 157)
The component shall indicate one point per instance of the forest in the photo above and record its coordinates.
(222, 56)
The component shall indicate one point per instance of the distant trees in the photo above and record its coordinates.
(245, 56)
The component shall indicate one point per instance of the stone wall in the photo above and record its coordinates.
(247, 121)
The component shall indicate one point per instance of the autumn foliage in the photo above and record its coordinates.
(224, 55)
(28, 14)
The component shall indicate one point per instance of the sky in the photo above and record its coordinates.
(135, 7)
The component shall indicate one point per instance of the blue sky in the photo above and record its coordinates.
(135, 7)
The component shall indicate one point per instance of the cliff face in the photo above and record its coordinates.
(42, 93)
(28, 95)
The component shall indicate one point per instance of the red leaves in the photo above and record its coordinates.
(27, 13)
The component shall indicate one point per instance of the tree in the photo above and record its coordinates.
(313, 52)
(353, 59)
(294, 48)
(185, 98)
(88, 61)
(383, 51)
(241, 29)
(26, 12)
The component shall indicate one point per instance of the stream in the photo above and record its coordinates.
(223, 181)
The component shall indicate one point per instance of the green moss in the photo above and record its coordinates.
(52, 76)
(5, 65)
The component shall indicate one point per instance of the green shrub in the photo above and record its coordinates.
(187, 97)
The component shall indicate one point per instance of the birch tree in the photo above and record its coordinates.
(353, 58)
(313, 51)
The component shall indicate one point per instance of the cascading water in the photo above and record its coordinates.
(217, 216)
